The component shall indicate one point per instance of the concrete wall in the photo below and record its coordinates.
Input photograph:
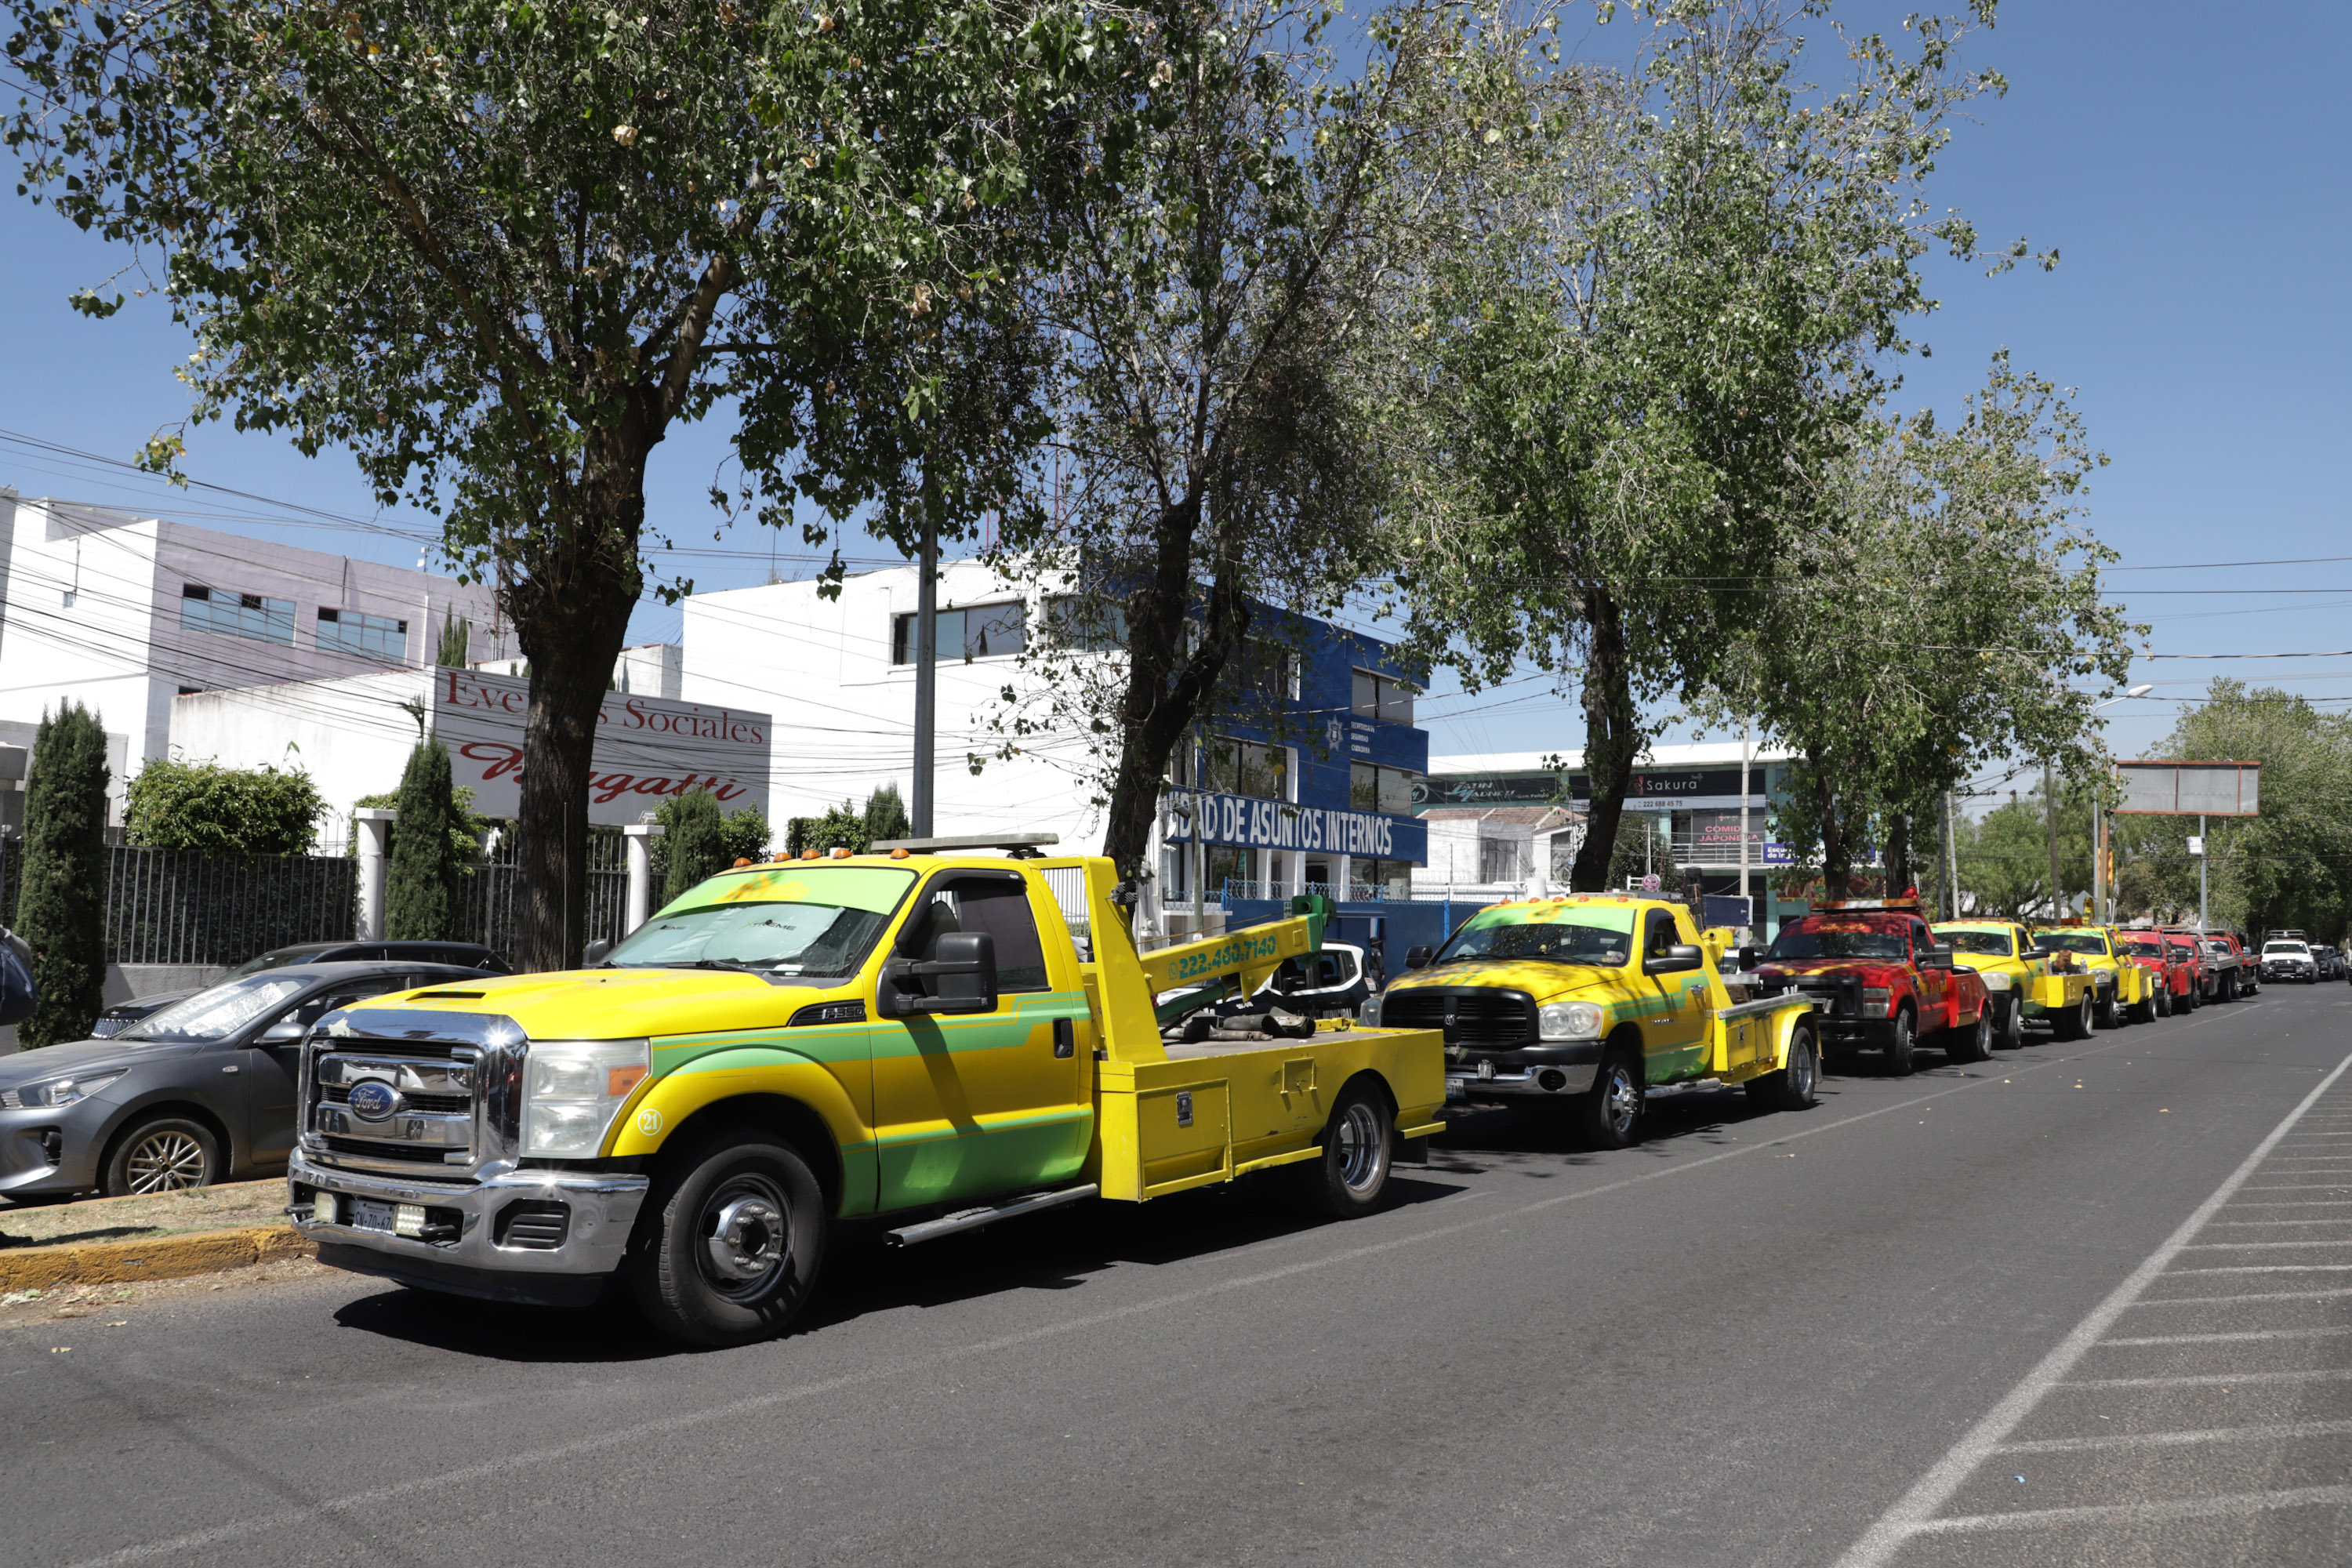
(352, 736)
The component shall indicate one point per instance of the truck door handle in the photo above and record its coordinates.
(1065, 1039)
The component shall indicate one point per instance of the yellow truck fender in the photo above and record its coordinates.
(646, 1123)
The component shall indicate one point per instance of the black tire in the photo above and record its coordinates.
(694, 1285)
(2147, 1012)
(1969, 1042)
(2106, 1013)
(2074, 1023)
(2162, 1002)
(1796, 1086)
(2230, 987)
(163, 1154)
(1903, 1049)
(1358, 1152)
(2012, 1021)
(1609, 1114)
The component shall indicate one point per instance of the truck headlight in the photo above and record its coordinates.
(573, 1089)
(1995, 980)
(1569, 1021)
(1876, 996)
(1369, 1014)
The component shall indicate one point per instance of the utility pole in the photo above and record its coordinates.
(2204, 858)
(2050, 809)
(1951, 861)
(927, 673)
(1747, 731)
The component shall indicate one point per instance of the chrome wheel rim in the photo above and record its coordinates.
(1800, 1069)
(1360, 1147)
(745, 1236)
(1623, 1101)
(166, 1162)
(1984, 1036)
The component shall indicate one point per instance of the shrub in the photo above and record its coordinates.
(885, 816)
(421, 885)
(844, 825)
(215, 810)
(697, 841)
(61, 910)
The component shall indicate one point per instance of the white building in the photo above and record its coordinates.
(124, 614)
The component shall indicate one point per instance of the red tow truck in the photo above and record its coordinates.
(1880, 980)
(2176, 981)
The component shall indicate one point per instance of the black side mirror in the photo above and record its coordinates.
(1750, 956)
(596, 954)
(1935, 958)
(1678, 959)
(961, 979)
(1419, 955)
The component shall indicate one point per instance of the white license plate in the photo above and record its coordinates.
(368, 1214)
(1457, 1088)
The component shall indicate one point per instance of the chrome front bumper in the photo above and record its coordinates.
(1537, 1082)
(598, 1210)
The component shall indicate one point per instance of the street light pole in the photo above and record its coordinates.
(2050, 810)
(927, 674)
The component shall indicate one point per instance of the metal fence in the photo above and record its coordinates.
(487, 899)
(170, 907)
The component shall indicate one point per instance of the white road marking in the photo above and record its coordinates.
(2145, 1512)
(2345, 1220)
(2266, 1268)
(2213, 1379)
(2280, 1431)
(2246, 1245)
(2233, 1300)
(1914, 1512)
(2232, 1336)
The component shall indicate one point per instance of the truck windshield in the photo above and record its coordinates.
(1564, 934)
(2143, 947)
(1996, 942)
(2088, 942)
(789, 920)
(1836, 942)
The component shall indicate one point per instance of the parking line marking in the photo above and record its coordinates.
(2233, 1300)
(1914, 1512)
(2275, 1432)
(2346, 1220)
(2244, 1245)
(2143, 1512)
(2234, 1334)
(2213, 1379)
(2267, 1269)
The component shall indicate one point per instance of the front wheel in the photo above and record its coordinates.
(2108, 1014)
(169, 1154)
(2146, 1010)
(2074, 1023)
(1359, 1148)
(1901, 1049)
(2013, 1023)
(1971, 1042)
(1609, 1115)
(1796, 1086)
(730, 1241)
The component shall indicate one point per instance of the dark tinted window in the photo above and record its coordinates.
(997, 905)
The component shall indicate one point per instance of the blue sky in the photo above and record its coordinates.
(2190, 169)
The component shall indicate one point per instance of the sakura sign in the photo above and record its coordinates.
(647, 748)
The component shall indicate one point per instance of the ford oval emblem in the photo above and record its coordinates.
(373, 1100)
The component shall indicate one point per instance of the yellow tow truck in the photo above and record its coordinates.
(2026, 983)
(2122, 992)
(931, 1032)
(1593, 1001)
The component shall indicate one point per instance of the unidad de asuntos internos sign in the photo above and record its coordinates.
(1255, 824)
(647, 748)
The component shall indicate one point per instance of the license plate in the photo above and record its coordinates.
(369, 1215)
(1455, 1088)
(1486, 1069)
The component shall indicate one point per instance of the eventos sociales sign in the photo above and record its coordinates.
(1278, 824)
(647, 748)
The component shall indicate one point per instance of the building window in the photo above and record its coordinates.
(1382, 697)
(1269, 672)
(1233, 766)
(1371, 788)
(1087, 622)
(1227, 864)
(70, 598)
(370, 636)
(1501, 860)
(976, 631)
(231, 615)
(1380, 873)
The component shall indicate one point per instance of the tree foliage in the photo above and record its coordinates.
(61, 904)
(427, 862)
(211, 809)
(742, 835)
(2004, 855)
(695, 838)
(885, 816)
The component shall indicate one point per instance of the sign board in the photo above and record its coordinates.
(1255, 824)
(1778, 855)
(1726, 909)
(2197, 843)
(647, 748)
(2191, 789)
(1650, 882)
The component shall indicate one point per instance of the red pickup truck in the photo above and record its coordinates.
(1883, 981)
(2176, 978)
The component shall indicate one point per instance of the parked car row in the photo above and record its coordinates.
(198, 1087)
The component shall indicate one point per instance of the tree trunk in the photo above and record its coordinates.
(1898, 854)
(1611, 739)
(1837, 853)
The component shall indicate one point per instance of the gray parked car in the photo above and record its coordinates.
(202, 1092)
(465, 954)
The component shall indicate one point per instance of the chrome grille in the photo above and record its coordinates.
(1481, 1017)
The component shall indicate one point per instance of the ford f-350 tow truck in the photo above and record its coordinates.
(1592, 1000)
(2023, 983)
(2121, 991)
(950, 1038)
(1885, 982)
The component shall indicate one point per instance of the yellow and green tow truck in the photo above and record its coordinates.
(2122, 992)
(936, 1034)
(1594, 1000)
(2025, 983)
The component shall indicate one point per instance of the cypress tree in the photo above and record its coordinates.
(421, 883)
(697, 842)
(456, 640)
(62, 910)
(885, 816)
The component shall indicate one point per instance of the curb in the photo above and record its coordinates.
(166, 1257)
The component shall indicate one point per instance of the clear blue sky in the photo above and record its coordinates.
(2190, 168)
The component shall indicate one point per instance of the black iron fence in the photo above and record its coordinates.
(487, 899)
(170, 906)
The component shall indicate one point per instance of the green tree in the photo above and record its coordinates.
(844, 827)
(455, 647)
(743, 834)
(61, 905)
(885, 816)
(422, 880)
(1680, 281)
(2004, 855)
(696, 840)
(498, 251)
(213, 810)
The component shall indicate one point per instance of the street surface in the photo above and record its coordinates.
(2084, 1303)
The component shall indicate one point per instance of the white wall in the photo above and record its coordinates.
(352, 736)
(845, 715)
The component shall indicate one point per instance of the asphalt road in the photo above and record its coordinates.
(2083, 1303)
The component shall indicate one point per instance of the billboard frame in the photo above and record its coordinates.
(2245, 794)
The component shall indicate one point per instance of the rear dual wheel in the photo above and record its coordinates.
(1358, 1150)
(1971, 1042)
(1796, 1086)
(2073, 1022)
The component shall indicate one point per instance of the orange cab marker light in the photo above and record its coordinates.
(808, 854)
(742, 860)
(841, 851)
(897, 854)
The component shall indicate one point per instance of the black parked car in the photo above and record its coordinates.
(198, 1092)
(466, 954)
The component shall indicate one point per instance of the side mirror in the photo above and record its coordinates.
(285, 1032)
(1419, 955)
(1678, 959)
(1750, 956)
(597, 953)
(1935, 958)
(961, 979)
